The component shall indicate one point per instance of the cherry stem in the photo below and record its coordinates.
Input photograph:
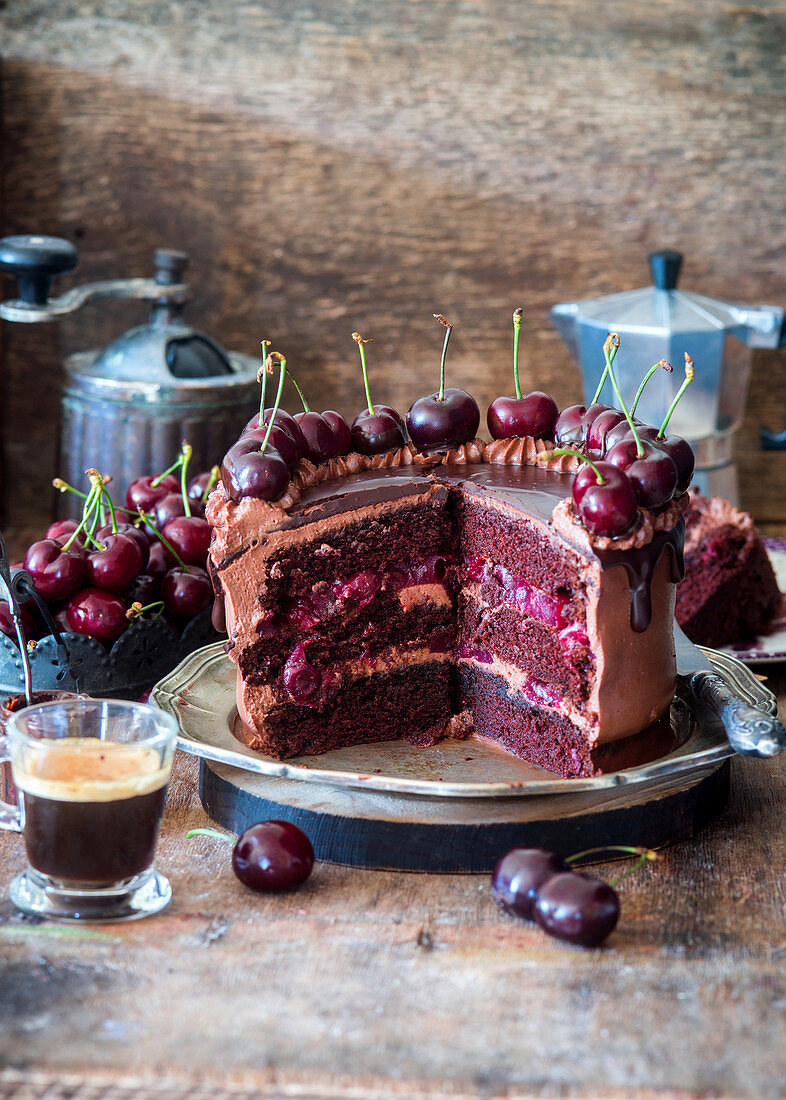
(613, 342)
(136, 609)
(262, 379)
(645, 855)
(274, 355)
(160, 477)
(64, 487)
(186, 451)
(448, 329)
(294, 382)
(576, 454)
(360, 342)
(661, 363)
(215, 474)
(211, 832)
(603, 377)
(168, 545)
(689, 373)
(91, 500)
(517, 318)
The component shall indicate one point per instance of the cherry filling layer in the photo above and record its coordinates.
(525, 597)
(308, 611)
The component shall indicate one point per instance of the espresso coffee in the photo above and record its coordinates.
(91, 809)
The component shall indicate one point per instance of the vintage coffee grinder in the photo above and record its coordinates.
(126, 409)
(662, 322)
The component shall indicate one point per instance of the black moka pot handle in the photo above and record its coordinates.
(34, 261)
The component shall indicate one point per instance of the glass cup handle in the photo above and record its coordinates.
(10, 818)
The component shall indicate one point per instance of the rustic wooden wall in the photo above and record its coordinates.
(336, 166)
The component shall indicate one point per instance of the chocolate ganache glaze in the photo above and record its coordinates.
(511, 472)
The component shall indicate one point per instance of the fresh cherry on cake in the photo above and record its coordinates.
(115, 566)
(186, 590)
(519, 875)
(378, 428)
(600, 427)
(279, 441)
(56, 572)
(568, 425)
(281, 419)
(681, 454)
(533, 414)
(262, 476)
(323, 442)
(577, 908)
(445, 418)
(190, 537)
(100, 614)
(652, 472)
(603, 496)
(142, 493)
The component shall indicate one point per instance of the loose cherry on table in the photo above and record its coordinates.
(448, 417)
(186, 591)
(378, 428)
(519, 875)
(100, 614)
(273, 856)
(577, 908)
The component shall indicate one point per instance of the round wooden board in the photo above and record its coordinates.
(403, 833)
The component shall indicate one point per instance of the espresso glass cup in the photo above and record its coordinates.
(91, 777)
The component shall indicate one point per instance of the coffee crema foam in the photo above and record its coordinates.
(86, 769)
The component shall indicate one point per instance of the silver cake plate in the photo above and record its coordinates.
(200, 693)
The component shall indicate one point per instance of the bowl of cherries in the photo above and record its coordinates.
(119, 596)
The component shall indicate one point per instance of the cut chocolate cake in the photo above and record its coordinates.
(443, 593)
(730, 592)
(375, 588)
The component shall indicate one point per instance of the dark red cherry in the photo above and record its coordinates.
(166, 508)
(56, 572)
(190, 536)
(135, 533)
(160, 560)
(185, 594)
(519, 875)
(145, 589)
(377, 432)
(591, 414)
(453, 420)
(100, 614)
(621, 433)
(322, 442)
(533, 414)
(63, 529)
(261, 476)
(114, 567)
(196, 489)
(340, 430)
(568, 427)
(681, 454)
(284, 420)
(600, 427)
(605, 509)
(29, 628)
(654, 476)
(280, 441)
(577, 908)
(273, 856)
(142, 494)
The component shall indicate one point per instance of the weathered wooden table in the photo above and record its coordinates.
(381, 984)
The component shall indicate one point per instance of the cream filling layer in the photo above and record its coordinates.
(535, 692)
(418, 594)
(267, 696)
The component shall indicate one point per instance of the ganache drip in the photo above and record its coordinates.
(640, 564)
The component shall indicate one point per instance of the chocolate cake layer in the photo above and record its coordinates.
(411, 703)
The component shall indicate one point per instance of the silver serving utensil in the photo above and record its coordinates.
(750, 731)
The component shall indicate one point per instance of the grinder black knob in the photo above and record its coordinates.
(34, 261)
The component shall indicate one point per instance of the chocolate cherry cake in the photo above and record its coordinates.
(470, 589)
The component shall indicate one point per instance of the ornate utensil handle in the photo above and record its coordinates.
(751, 732)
